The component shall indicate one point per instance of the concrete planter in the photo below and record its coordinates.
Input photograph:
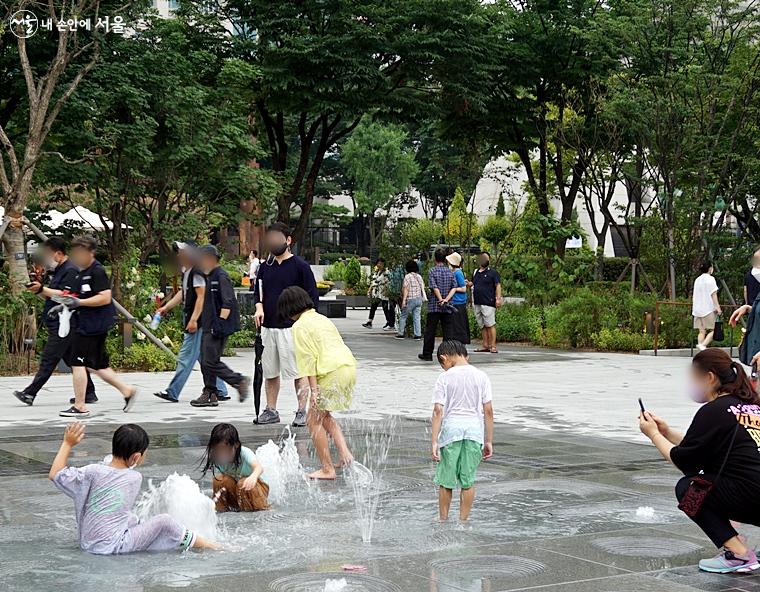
(355, 301)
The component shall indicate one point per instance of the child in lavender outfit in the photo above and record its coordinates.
(105, 494)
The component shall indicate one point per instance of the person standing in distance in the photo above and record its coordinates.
(486, 298)
(191, 295)
(443, 286)
(752, 280)
(281, 270)
(95, 316)
(705, 307)
(62, 273)
(220, 319)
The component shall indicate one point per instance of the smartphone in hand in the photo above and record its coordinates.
(641, 404)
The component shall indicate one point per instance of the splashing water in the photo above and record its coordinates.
(282, 468)
(181, 498)
(335, 585)
(645, 513)
(366, 477)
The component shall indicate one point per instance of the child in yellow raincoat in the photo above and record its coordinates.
(330, 367)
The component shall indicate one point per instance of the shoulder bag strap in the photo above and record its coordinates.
(728, 452)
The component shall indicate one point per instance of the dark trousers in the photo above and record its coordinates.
(461, 324)
(727, 501)
(212, 366)
(56, 349)
(431, 329)
(389, 310)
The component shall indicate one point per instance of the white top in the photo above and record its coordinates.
(704, 287)
(253, 268)
(462, 390)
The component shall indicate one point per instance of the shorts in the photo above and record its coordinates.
(459, 464)
(336, 389)
(485, 315)
(279, 357)
(157, 533)
(88, 351)
(707, 322)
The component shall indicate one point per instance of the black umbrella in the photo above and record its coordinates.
(258, 373)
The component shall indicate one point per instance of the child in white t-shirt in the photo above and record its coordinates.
(462, 433)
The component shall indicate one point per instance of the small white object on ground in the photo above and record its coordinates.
(335, 585)
(645, 512)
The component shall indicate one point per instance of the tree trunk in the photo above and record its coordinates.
(13, 240)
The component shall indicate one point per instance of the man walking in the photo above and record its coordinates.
(62, 274)
(95, 315)
(486, 298)
(220, 319)
(191, 295)
(442, 286)
(281, 270)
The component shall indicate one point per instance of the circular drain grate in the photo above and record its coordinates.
(645, 546)
(315, 582)
(485, 566)
(656, 480)
(270, 516)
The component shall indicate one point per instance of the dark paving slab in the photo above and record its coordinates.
(554, 511)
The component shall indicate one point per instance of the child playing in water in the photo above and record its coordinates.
(104, 495)
(238, 484)
(330, 367)
(461, 400)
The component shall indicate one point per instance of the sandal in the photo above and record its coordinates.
(483, 350)
(493, 350)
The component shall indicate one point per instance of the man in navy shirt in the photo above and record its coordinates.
(486, 298)
(56, 348)
(281, 270)
(95, 315)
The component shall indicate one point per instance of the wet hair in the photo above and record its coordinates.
(293, 301)
(85, 242)
(223, 433)
(733, 379)
(56, 244)
(440, 256)
(412, 267)
(279, 227)
(705, 266)
(128, 439)
(451, 347)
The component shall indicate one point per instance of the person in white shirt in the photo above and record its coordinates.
(705, 307)
(253, 265)
(462, 430)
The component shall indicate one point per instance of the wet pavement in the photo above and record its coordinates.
(554, 511)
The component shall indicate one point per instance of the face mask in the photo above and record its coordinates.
(279, 249)
(697, 393)
(756, 273)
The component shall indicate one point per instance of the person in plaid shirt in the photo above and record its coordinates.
(412, 297)
(443, 286)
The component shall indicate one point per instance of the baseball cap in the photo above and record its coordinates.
(208, 250)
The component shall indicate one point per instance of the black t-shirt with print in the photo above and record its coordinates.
(706, 442)
(93, 320)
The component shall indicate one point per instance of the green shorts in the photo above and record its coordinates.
(459, 464)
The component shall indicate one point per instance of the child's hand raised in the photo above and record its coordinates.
(74, 433)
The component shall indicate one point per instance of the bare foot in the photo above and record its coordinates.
(322, 475)
(345, 461)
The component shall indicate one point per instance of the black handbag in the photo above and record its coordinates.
(699, 487)
(718, 333)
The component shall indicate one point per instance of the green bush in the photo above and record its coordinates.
(143, 357)
(333, 257)
(335, 272)
(353, 274)
(574, 321)
(243, 338)
(621, 340)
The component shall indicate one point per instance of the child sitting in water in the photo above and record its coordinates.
(330, 367)
(461, 399)
(104, 495)
(237, 484)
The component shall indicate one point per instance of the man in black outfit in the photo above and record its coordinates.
(61, 272)
(219, 320)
